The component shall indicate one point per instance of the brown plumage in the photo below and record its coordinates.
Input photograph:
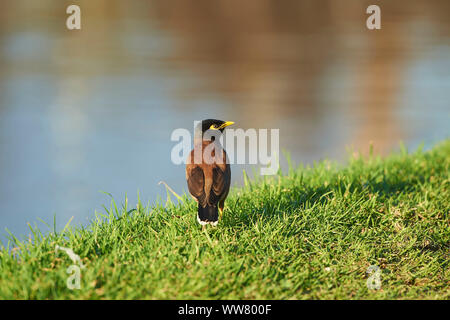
(209, 177)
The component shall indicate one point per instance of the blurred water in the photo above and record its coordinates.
(90, 110)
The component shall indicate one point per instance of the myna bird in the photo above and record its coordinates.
(208, 172)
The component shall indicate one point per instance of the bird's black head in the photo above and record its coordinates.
(213, 124)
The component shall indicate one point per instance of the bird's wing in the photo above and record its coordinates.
(221, 183)
(196, 183)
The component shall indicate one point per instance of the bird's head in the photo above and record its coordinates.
(211, 124)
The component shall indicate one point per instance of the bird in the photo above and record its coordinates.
(208, 172)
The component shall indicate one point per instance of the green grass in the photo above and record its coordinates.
(309, 234)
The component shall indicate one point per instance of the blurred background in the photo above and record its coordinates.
(93, 109)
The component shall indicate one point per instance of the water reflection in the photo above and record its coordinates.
(83, 111)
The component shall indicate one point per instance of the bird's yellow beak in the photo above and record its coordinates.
(226, 124)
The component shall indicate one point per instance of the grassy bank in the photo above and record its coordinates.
(311, 233)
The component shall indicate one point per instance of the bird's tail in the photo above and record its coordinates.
(208, 214)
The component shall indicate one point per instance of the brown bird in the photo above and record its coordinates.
(208, 171)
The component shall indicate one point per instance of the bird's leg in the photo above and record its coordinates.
(221, 205)
(204, 227)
